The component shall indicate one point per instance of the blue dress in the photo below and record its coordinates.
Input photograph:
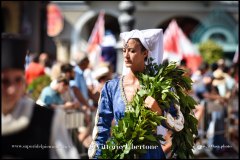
(111, 106)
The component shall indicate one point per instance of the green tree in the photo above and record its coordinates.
(210, 51)
(35, 88)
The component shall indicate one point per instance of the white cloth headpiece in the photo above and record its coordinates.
(151, 39)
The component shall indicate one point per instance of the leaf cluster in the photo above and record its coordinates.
(167, 84)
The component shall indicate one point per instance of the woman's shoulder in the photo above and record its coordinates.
(113, 83)
(115, 79)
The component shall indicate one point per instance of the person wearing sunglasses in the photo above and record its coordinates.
(28, 130)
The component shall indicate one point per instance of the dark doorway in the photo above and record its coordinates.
(187, 24)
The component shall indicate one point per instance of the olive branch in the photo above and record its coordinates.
(167, 84)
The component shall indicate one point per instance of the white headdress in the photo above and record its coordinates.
(151, 39)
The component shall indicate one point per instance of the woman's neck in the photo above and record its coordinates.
(130, 85)
(131, 79)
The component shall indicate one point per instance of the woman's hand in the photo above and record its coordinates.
(69, 105)
(152, 104)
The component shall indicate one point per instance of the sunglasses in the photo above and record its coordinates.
(8, 82)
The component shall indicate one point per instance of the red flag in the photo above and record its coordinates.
(54, 20)
(96, 38)
(97, 34)
(177, 47)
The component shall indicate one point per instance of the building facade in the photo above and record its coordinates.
(217, 20)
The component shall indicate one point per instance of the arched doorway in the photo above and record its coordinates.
(187, 24)
(111, 23)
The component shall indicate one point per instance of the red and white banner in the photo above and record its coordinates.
(95, 39)
(55, 20)
(177, 47)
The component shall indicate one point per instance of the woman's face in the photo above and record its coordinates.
(63, 87)
(134, 56)
(13, 87)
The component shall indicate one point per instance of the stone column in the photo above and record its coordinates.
(126, 21)
(62, 51)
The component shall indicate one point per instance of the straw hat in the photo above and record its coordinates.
(100, 72)
(219, 77)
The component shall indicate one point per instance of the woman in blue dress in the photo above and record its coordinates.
(118, 92)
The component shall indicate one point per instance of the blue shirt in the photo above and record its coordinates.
(80, 82)
(50, 96)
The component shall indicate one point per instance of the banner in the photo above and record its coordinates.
(55, 20)
(95, 39)
(177, 47)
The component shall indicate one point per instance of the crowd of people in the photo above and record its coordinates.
(215, 87)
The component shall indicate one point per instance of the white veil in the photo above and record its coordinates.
(152, 40)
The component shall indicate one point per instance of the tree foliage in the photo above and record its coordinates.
(210, 51)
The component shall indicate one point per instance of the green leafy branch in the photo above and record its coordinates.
(167, 84)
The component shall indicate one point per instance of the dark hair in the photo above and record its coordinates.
(35, 57)
(143, 49)
(102, 78)
(83, 60)
(226, 69)
(214, 66)
(62, 78)
(66, 68)
(204, 66)
(183, 62)
(142, 46)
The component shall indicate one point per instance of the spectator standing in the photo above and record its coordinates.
(34, 70)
